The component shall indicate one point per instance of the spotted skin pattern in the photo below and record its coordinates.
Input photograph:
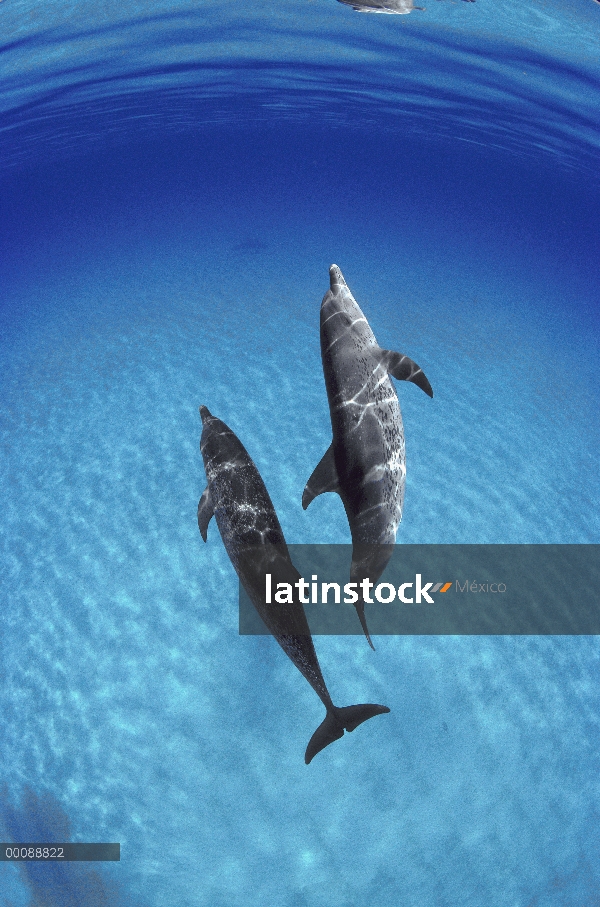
(365, 416)
(366, 463)
(238, 499)
(254, 540)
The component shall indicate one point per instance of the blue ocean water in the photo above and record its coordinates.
(175, 182)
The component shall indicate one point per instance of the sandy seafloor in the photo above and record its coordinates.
(141, 282)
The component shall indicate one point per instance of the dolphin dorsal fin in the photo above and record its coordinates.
(404, 369)
(205, 512)
(323, 479)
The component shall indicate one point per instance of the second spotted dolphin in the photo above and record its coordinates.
(237, 497)
(365, 463)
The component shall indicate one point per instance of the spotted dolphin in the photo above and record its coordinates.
(236, 495)
(382, 6)
(365, 463)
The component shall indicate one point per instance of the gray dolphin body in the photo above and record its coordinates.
(365, 463)
(236, 495)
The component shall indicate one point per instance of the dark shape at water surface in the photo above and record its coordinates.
(382, 6)
(365, 463)
(250, 246)
(401, 7)
(237, 497)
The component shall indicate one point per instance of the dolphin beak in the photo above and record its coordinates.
(204, 414)
(360, 610)
(336, 278)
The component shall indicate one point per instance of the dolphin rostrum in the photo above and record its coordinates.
(365, 463)
(254, 541)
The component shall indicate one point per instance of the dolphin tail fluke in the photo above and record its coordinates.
(329, 730)
(404, 369)
(323, 479)
(338, 721)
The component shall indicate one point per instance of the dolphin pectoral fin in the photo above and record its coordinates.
(404, 369)
(360, 610)
(336, 722)
(323, 479)
(205, 512)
